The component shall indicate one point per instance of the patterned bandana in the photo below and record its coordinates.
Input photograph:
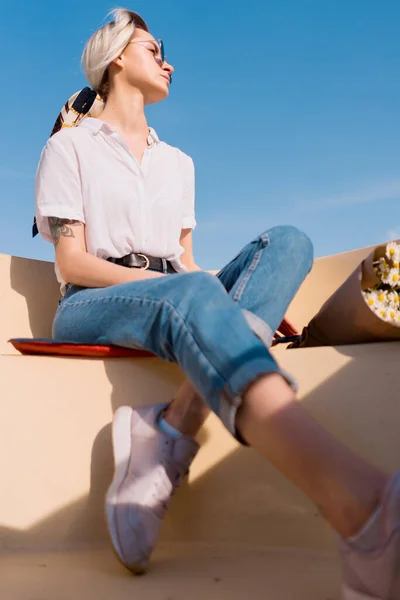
(85, 103)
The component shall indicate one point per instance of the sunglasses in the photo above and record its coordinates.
(159, 54)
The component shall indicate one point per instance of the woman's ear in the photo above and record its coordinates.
(119, 60)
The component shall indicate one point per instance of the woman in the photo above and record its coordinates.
(111, 195)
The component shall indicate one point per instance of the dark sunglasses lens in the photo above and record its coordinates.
(162, 50)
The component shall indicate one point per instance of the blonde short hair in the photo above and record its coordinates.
(106, 44)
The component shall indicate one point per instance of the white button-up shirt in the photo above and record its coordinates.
(88, 173)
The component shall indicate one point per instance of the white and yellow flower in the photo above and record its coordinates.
(385, 303)
(383, 269)
(393, 251)
(383, 314)
(381, 296)
(393, 298)
(376, 300)
(392, 278)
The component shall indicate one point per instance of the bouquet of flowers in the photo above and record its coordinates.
(383, 298)
(365, 307)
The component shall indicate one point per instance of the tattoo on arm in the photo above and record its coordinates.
(62, 227)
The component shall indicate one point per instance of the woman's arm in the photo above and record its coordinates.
(187, 258)
(80, 268)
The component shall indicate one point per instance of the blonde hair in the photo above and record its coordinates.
(106, 44)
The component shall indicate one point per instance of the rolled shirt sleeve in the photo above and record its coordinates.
(58, 191)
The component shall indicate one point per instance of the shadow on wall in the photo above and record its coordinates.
(36, 282)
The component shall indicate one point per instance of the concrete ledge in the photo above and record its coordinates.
(57, 464)
(177, 573)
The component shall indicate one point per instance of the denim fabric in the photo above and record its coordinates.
(266, 275)
(204, 323)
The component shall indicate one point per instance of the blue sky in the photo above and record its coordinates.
(289, 110)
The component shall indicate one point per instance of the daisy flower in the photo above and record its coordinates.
(371, 298)
(384, 298)
(381, 296)
(383, 314)
(393, 251)
(382, 268)
(393, 278)
(393, 298)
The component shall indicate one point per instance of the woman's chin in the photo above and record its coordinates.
(157, 94)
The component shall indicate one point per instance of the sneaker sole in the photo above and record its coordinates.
(349, 594)
(121, 438)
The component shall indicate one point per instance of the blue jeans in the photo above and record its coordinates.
(205, 323)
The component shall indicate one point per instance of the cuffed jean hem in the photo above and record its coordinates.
(231, 397)
(259, 327)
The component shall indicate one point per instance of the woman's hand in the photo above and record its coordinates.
(187, 258)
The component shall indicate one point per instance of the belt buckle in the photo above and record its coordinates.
(147, 265)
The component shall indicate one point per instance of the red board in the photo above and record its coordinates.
(52, 348)
(286, 328)
(38, 346)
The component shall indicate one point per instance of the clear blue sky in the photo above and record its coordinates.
(290, 110)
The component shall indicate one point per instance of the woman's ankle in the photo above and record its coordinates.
(350, 514)
(187, 413)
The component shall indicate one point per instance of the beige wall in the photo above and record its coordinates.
(29, 294)
(235, 529)
(56, 415)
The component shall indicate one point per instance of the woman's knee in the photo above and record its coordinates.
(196, 290)
(292, 242)
(200, 281)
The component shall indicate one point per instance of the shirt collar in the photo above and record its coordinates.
(96, 125)
(153, 137)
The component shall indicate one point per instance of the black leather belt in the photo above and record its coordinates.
(142, 261)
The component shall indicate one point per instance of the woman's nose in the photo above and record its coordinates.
(167, 67)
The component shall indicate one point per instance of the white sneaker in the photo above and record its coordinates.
(371, 560)
(149, 466)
